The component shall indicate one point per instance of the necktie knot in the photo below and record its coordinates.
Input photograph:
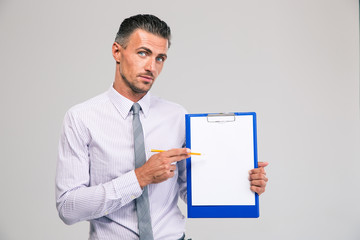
(136, 108)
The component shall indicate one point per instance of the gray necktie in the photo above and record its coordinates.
(142, 202)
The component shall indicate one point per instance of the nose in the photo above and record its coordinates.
(150, 65)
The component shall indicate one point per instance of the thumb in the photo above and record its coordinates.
(262, 164)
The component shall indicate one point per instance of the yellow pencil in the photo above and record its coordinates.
(192, 153)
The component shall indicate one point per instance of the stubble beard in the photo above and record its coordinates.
(134, 88)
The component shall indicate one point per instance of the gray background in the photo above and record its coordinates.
(295, 63)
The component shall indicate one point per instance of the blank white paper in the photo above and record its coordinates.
(220, 175)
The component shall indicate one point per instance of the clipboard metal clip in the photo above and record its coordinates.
(221, 117)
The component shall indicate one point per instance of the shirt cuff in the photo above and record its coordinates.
(127, 187)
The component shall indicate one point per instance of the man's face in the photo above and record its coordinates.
(142, 60)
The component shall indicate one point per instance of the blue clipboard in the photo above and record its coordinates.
(217, 180)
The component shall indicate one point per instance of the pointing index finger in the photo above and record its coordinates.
(177, 152)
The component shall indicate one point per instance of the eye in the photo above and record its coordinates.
(160, 59)
(142, 53)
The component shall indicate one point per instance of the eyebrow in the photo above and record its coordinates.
(148, 50)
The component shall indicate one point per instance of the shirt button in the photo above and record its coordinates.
(133, 197)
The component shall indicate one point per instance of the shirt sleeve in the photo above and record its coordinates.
(76, 200)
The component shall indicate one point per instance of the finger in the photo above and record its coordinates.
(258, 176)
(258, 183)
(163, 176)
(258, 190)
(178, 158)
(159, 178)
(262, 164)
(257, 170)
(176, 152)
(164, 168)
(172, 168)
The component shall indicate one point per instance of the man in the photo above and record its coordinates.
(99, 175)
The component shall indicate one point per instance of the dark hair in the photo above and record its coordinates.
(147, 22)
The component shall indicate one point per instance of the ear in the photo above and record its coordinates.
(116, 52)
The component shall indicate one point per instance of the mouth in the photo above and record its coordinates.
(146, 78)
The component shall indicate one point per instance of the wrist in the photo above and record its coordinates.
(141, 178)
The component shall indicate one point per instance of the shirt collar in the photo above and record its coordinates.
(123, 105)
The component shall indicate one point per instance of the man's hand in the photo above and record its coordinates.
(159, 167)
(258, 179)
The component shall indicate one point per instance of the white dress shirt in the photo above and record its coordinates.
(95, 177)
